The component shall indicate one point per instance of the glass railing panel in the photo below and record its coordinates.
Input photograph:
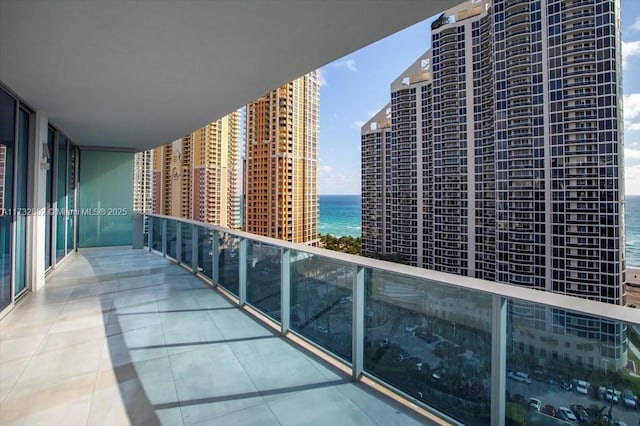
(186, 243)
(575, 367)
(172, 239)
(321, 301)
(229, 262)
(264, 277)
(205, 251)
(431, 341)
(156, 237)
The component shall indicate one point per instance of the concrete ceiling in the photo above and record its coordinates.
(137, 74)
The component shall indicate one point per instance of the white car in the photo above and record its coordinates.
(567, 415)
(518, 376)
(535, 403)
(611, 395)
(581, 389)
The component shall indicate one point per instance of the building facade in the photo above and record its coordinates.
(196, 176)
(142, 179)
(281, 162)
(376, 155)
(506, 158)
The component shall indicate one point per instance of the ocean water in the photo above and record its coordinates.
(340, 215)
(632, 229)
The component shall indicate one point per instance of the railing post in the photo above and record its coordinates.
(150, 232)
(194, 248)
(215, 258)
(164, 237)
(242, 283)
(357, 321)
(498, 359)
(285, 290)
(178, 242)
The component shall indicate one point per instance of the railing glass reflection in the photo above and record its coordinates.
(321, 301)
(264, 278)
(229, 262)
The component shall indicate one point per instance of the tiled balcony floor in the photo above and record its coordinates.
(122, 336)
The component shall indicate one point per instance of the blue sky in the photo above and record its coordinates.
(356, 86)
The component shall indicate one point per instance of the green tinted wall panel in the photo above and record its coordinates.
(105, 199)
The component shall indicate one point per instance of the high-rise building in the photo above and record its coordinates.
(376, 179)
(281, 162)
(142, 179)
(506, 155)
(196, 176)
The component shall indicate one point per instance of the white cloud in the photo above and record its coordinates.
(631, 104)
(632, 179)
(628, 126)
(325, 169)
(636, 24)
(631, 153)
(349, 64)
(629, 50)
(321, 79)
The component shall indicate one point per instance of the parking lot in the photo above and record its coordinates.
(553, 394)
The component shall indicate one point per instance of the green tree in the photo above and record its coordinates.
(344, 244)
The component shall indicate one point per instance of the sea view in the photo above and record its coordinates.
(340, 216)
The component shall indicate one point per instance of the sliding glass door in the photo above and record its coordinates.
(20, 214)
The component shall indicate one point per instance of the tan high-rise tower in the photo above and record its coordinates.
(281, 163)
(196, 176)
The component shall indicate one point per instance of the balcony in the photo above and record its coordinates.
(127, 337)
(251, 329)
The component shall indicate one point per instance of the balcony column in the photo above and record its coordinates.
(242, 284)
(285, 291)
(164, 237)
(498, 359)
(215, 258)
(357, 342)
(194, 248)
(39, 162)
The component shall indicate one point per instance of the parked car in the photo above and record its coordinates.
(535, 403)
(383, 343)
(581, 413)
(567, 415)
(581, 389)
(611, 395)
(403, 356)
(549, 410)
(628, 400)
(518, 376)
(566, 385)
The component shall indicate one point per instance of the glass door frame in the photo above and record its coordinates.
(26, 209)
(22, 212)
(70, 187)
